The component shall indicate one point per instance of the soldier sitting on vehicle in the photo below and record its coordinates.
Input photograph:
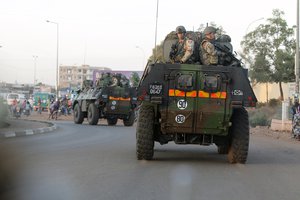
(107, 79)
(183, 49)
(209, 54)
(123, 81)
(86, 85)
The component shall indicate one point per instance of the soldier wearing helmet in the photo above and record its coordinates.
(209, 55)
(183, 49)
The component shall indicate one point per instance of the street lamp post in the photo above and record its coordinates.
(252, 23)
(34, 72)
(57, 39)
(142, 50)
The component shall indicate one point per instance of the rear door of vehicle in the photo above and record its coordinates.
(182, 97)
(119, 101)
(212, 107)
(196, 102)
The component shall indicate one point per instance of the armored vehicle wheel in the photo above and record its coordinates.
(130, 120)
(145, 133)
(78, 115)
(111, 121)
(239, 133)
(223, 149)
(93, 114)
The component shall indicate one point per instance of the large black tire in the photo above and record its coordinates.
(93, 114)
(239, 137)
(78, 115)
(145, 133)
(111, 121)
(130, 120)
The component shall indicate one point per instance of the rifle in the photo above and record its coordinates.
(173, 52)
(226, 50)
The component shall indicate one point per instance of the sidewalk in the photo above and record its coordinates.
(44, 117)
(24, 126)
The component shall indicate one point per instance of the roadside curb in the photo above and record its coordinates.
(28, 132)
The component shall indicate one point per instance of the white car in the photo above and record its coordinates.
(10, 98)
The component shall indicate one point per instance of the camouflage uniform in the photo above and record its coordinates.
(183, 49)
(105, 80)
(209, 55)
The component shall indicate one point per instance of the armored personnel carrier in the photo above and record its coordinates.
(111, 98)
(194, 104)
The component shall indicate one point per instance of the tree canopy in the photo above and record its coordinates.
(270, 50)
(134, 79)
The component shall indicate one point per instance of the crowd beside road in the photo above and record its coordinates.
(55, 108)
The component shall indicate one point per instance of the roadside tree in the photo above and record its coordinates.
(270, 50)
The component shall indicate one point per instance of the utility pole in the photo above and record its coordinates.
(34, 72)
(57, 42)
(297, 54)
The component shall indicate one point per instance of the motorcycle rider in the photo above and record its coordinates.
(27, 108)
(14, 105)
(54, 109)
(39, 105)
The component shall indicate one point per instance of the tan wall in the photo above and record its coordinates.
(261, 89)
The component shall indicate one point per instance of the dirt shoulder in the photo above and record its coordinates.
(266, 131)
(44, 116)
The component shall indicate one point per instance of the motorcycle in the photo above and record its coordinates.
(17, 112)
(26, 112)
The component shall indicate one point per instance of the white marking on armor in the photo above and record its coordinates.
(180, 119)
(182, 104)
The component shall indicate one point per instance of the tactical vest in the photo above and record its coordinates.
(206, 58)
(180, 50)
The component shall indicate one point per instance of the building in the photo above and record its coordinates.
(266, 91)
(72, 76)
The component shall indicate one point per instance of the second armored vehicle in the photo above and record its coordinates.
(111, 98)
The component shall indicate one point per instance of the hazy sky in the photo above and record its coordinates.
(107, 33)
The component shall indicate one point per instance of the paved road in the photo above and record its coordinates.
(77, 162)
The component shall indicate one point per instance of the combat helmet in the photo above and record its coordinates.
(180, 29)
(209, 29)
